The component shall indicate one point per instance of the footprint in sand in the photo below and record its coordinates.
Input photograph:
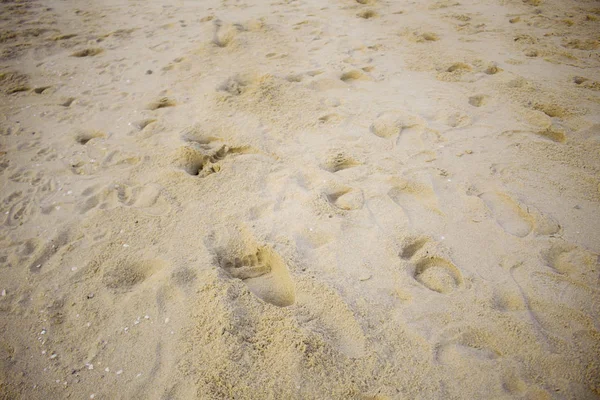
(367, 14)
(146, 198)
(324, 312)
(339, 161)
(433, 272)
(507, 212)
(418, 200)
(470, 345)
(21, 212)
(224, 34)
(162, 102)
(390, 124)
(90, 52)
(345, 198)
(573, 261)
(438, 274)
(53, 247)
(124, 275)
(202, 159)
(265, 274)
(84, 136)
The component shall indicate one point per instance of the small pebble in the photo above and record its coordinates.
(107, 369)
(119, 372)
(90, 296)
(54, 356)
(3, 292)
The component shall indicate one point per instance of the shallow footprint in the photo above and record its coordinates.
(509, 215)
(265, 274)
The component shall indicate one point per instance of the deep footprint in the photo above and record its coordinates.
(265, 274)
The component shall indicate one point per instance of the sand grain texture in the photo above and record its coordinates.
(350, 199)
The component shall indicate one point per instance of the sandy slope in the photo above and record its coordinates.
(299, 199)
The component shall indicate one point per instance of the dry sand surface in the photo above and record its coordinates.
(299, 199)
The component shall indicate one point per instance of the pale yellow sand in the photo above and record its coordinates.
(299, 199)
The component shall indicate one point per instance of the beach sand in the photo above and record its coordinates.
(300, 199)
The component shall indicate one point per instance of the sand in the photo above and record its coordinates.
(299, 199)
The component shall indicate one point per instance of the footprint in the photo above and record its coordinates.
(411, 249)
(467, 345)
(142, 124)
(454, 72)
(90, 52)
(163, 102)
(354, 75)
(508, 214)
(346, 198)
(124, 275)
(235, 86)
(493, 69)
(393, 123)
(203, 163)
(51, 249)
(573, 261)
(478, 100)
(338, 162)
(224, 34)
(21, 212)
(332, 118)
(67, 102)
(435, 273)
(193, 162)
(323, 311)
(367, 14)
(24, 175)
(13, 82)
(415, 198)
(265, 274)
(147, 198)
(438, 274)
(41, 89)
(83, 137)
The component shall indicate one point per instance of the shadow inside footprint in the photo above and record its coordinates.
(438, 274)
(265, 274)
